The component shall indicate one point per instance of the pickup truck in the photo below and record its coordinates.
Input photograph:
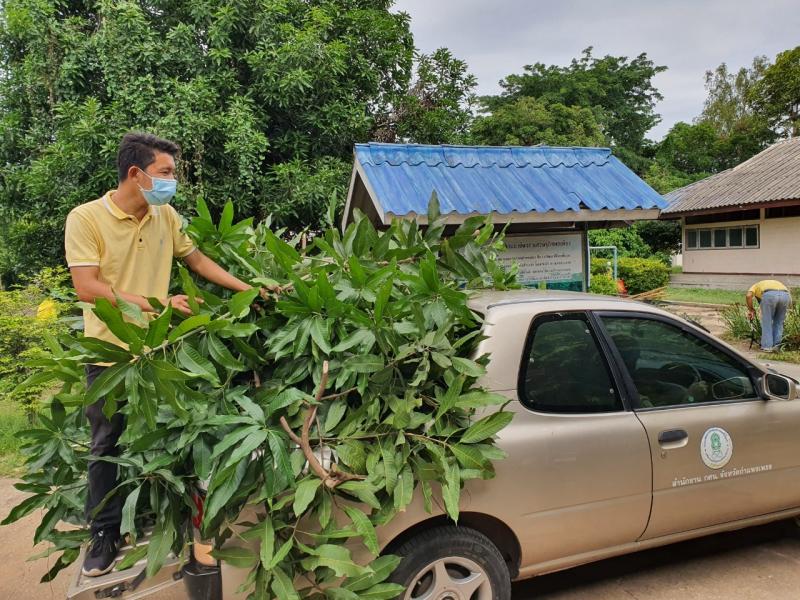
(633, 429)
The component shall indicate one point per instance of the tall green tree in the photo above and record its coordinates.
(529, 121)
(437, 107)
(266, 99)
(777, 94)
(617, 89)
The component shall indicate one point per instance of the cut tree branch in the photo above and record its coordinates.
(330, 478)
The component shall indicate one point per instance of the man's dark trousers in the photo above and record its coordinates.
(102, 474)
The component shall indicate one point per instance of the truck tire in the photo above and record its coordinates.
(451, 563)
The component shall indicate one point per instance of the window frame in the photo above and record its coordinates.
(712, 233)
(616, 376)
(744, 236)
(752, 371)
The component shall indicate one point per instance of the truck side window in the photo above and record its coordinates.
(565, 370)
(673, 367)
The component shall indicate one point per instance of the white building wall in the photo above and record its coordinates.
(778, 252)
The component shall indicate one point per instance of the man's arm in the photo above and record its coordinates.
(89, 288)
(211, 271)
(751, 311)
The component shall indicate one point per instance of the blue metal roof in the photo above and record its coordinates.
(488, 179)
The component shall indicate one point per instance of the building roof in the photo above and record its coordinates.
(507, 182)
(769, 176)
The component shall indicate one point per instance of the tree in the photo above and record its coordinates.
(619, 91)
(691, 149)
(777, 94)
(437, 108)
(627, 240)
(265, 98)
(729, 100)
(530, 121)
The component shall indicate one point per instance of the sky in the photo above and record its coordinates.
(498, 37)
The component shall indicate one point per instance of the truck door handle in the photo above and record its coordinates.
(672, 436)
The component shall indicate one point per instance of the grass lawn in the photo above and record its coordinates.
(12, 419)
(792, 356)
(704, 295)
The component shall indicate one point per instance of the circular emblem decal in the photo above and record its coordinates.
(716, 448)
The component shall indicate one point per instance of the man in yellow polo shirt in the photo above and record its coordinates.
(123, 245)
(774, 299)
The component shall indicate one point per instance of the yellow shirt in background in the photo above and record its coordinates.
(134, 257)
(766, 285)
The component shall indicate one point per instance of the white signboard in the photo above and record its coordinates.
(553, 259)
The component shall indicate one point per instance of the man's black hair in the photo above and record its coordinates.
(139, 150)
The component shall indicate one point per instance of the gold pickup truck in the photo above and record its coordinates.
(633, 429)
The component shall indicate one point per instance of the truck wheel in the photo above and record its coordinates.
(452, 563)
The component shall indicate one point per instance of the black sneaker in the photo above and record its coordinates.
(101, 553)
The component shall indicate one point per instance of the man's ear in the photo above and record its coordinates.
(132, 171)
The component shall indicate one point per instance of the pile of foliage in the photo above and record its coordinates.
(368, 355)
(740, 327)
(28, 314)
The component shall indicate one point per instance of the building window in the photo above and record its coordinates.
(722, 237)
(783, 211)
(751, 236)
(735, 237)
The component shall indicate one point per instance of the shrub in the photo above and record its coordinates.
(602, 266)
(740, 327)
(240, 396)
(603, 284)
(27, 315)
(642, 274)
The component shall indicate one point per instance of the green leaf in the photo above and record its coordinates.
(364, 527)
(129, 512)
(226, 219)
(234, 437)
(158, 327)
(404, 490)
(468, 367)
(112, 317)
(191, 360)
(468, 456)
(220, 353)
(334, 557)
(451, 490)
(487, 427)
(236, 556)
(319, 333)
(132, 557)
(381, 568)
(335, 413)
(109, 379)
(187, 325)
(132, 311)
(159, 546)
(304, 495)
(382, 298)
(382, 591)
(282, 586)
(282, 553)
(239, 304)
(479, 399)
(364, 364)
(358, 338)
(48, 523)
(267, 549)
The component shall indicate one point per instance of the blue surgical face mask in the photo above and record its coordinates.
(162, 191)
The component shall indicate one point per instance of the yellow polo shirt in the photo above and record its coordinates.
(766, 285)
(133, 256)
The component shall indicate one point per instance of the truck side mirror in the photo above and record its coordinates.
(778, 387)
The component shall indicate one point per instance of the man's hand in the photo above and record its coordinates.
(276, 290)
(180, 303)
(751, 313)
